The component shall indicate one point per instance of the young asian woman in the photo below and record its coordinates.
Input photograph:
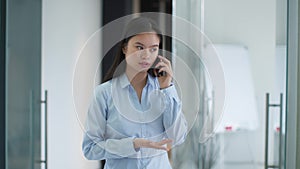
(136, 113)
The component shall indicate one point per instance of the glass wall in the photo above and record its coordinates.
(23, 84)
(250, 43)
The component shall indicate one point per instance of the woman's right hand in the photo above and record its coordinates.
(143, 143)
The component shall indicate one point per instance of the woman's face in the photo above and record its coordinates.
(141, 51)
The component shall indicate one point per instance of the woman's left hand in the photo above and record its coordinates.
(164, 144)
(164, 65)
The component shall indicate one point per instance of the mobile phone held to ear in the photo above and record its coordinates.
(156, 70)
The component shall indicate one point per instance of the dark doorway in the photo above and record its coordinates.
(114, 9)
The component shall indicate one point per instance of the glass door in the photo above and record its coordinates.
(248, 39)
(23, 84)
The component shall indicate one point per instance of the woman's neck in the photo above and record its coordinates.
(137, 80)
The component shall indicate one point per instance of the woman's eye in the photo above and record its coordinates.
(153, 49)
(139, 47)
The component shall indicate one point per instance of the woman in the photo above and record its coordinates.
(136, 112)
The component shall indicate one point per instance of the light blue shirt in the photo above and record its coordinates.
(116, 116)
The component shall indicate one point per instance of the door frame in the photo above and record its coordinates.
(2, 81)
(292, 158)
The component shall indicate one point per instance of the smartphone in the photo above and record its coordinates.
(155, 71)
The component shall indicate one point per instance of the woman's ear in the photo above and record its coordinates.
(124, 50)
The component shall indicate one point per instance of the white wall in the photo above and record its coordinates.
(67, 24)
(251, 23)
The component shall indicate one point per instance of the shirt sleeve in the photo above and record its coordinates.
(173, 119)
(95, 146)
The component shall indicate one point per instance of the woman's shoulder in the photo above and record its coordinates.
(103, 88)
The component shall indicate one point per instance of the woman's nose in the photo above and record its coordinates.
(145, 53)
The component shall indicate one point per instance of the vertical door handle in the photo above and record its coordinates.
(280, 130)
(31, 132)
(268, 105)
(45, 102)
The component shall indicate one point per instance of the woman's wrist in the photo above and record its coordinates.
(136, 144)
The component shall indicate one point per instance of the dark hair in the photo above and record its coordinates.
(135, 26)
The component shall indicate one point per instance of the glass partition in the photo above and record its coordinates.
(23, 85)
(250, 42)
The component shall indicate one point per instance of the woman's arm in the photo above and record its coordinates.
(95, 146)
(98, 149)
(173, 119)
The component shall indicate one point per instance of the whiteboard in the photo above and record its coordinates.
(240, 111)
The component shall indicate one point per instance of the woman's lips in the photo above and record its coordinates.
(144, 64)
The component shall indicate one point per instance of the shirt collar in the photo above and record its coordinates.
(124, 82)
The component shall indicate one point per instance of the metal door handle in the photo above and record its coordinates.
(45, 102)
(31, 133)
(268, 105)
